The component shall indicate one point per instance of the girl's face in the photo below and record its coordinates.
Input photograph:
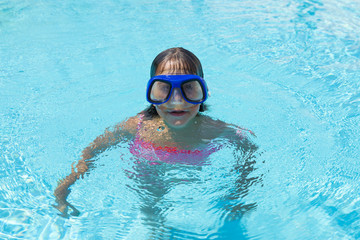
(176, 112)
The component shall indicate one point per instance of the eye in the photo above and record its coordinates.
(165, 87)
(161, 86)
(188, 87)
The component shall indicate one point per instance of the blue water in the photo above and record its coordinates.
(288, 70)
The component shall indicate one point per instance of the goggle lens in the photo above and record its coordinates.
(160, 91)
(192, 90)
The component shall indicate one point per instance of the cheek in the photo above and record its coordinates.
(160, 108)
(196, 107)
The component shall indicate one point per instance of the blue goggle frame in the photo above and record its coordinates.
(176, 81)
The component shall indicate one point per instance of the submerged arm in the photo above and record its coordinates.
(62, 190)
(99, 145)
(246, 153)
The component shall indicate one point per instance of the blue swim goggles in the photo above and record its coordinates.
(193, 88)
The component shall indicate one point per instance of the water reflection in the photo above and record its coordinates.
(196, 201)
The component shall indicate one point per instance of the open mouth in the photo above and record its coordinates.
(177, 113)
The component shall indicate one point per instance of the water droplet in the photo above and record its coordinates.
(161, 128)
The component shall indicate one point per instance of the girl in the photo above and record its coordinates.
(172, 129)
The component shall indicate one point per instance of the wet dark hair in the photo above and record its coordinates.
(179, 59)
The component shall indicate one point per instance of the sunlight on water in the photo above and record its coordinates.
(288, 70)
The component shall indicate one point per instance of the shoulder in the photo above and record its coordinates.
(239, 136)
(234, 133)
(130, 125)
(238, 133)
(211, 122)
(210, 128)
(223, 127)
(133, 124)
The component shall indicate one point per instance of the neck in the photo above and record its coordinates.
(191, 127)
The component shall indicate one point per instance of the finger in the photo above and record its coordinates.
(74, 212)
(63, 211)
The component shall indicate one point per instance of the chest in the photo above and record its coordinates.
(159, 134)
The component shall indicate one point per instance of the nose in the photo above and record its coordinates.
(176, 96)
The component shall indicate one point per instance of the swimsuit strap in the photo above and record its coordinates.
(141, 117)
(137, 136)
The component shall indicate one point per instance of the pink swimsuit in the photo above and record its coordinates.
(154, 154)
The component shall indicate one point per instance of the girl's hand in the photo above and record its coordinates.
(63, 205)
(63, 190)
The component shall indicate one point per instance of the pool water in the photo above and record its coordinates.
(288, 70)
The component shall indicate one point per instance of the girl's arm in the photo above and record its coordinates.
(246, 153)
(99, 145)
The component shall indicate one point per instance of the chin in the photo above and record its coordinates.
(178, 124)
